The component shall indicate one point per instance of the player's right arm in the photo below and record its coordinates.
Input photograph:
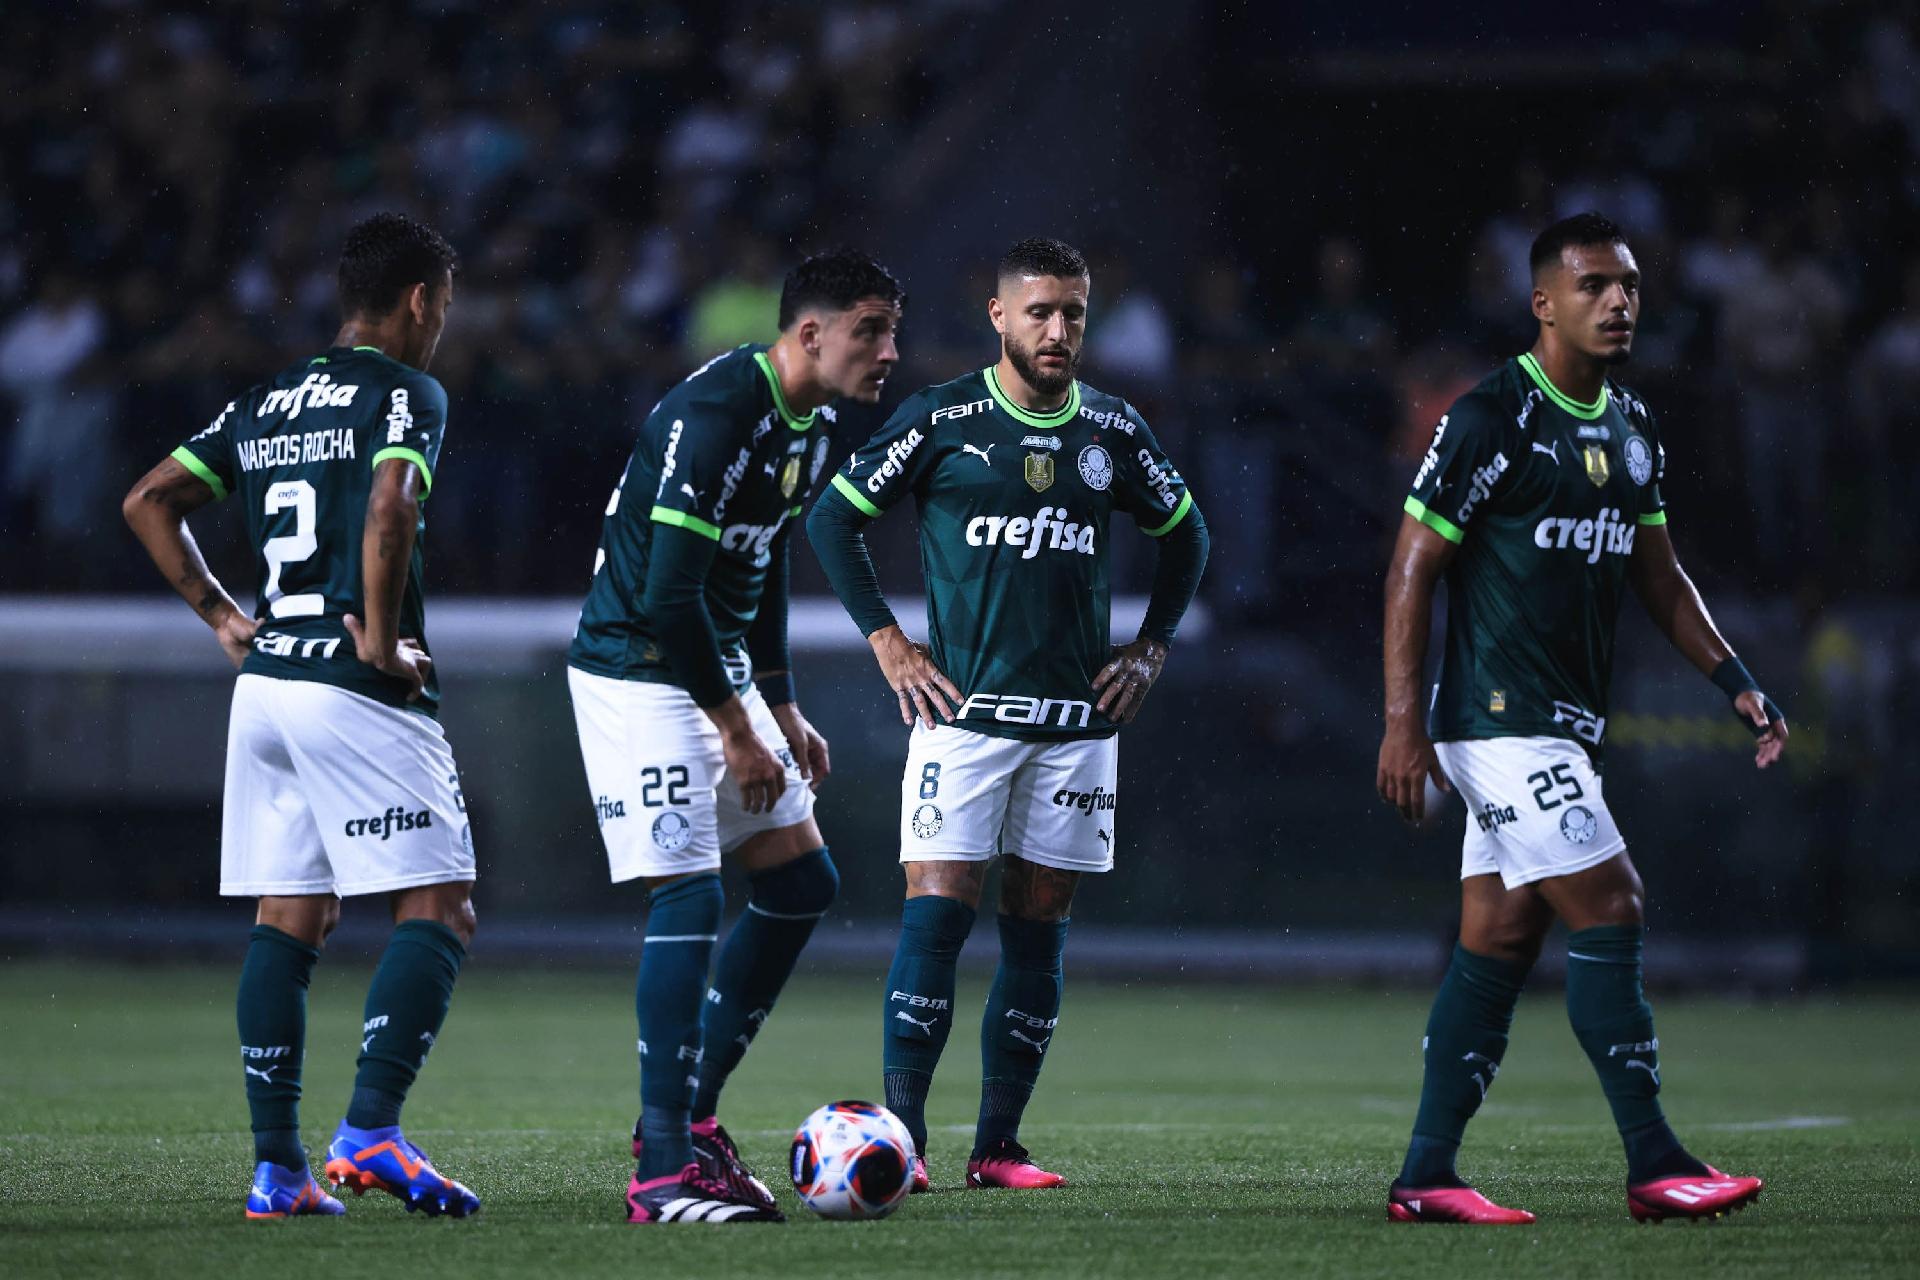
(1407, 758)
(156, 509)
(1460, 472)
(875, 477)
(685, 539)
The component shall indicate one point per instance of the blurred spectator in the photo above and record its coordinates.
(1131, 336)
(56, 453)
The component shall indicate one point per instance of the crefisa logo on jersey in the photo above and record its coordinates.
(1605, 534)
(896, 462)
(1096, 467)
(318, 391)
(1048, 529)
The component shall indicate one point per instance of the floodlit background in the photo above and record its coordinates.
(1308, 233)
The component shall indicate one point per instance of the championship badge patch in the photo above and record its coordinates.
(790, 477)
(1597, 469)
(1039, 471)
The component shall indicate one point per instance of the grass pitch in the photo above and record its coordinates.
(1207, 1131)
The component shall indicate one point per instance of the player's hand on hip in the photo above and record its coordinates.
(1407, 760)
(808, 747)
(235, 632)
(1772, 742)
(755, 770)
(1125, 679)
(922, 688)
(405, 661)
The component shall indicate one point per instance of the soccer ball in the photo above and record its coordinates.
(851, 1160)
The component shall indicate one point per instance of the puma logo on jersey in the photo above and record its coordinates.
(980, 453)
(1047, 530)
(1551, 450)
(317, 391)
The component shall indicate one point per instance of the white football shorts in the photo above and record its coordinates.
(1534, 808)
(659, 779)
(967, 796)
(329, 791)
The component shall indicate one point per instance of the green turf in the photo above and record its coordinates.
(1208, 1132)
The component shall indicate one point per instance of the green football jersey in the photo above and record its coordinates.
(299, 451)
(1014, 509)
(721, 455)
(1544, 497)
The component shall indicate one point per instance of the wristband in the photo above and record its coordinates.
(776, 689)
(1733, 679)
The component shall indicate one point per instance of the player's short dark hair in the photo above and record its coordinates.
(1043, 256)
(387, 254)
(1580, 229)
(835, 280)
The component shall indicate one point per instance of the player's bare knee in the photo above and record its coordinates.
(1031, 891)
(961, 881)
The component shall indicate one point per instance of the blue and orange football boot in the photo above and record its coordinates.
(383, 1160)
(1694, 1198)
(280, 1192)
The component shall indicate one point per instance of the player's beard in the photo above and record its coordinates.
(1619, 355)
(1027, 366)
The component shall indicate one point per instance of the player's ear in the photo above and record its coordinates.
(417, 302)
(997, 314)
(808, 332)
(1542, 305)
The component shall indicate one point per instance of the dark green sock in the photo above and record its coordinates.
(1607, 1005)
(682, 920)
(1466, 1039)
(406, 1004)
(1023, 1007)
(784, 903)
(272, 1013)
(919, 1004)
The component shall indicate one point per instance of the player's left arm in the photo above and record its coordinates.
(156, 509)
(406, 451)
(773, 667)
(1148, 486)
(1675, 606)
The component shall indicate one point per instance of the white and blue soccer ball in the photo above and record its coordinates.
(852, 1160)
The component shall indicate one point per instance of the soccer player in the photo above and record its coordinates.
(1016, 469)
(693, 741)
(1540, 503)
(339, 779)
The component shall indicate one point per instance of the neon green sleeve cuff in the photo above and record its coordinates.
(185, 457)
(856, 497)
(1179, 514)
(1653, 517)
(1434, 520)
(681, 520)
(410, 455)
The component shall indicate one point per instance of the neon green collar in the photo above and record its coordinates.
(780, 397)
(1561, 400)
(1051, 418)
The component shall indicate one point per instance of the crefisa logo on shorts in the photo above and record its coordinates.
(607, 810)
(385, 824)
(671, 831)
(927, 821)
(1495, 816)
(1098, 800)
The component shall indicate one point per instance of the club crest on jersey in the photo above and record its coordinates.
(1096, 467)
(1039, 471)
(1639, 460)
(1597, 469)
(790, 477)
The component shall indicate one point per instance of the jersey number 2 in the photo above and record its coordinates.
(291, 548)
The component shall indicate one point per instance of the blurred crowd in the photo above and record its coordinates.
(627, 183)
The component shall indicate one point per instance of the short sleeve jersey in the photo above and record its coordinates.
(298, 453)
(721, 455)
(1544, 496)
(1014, 516)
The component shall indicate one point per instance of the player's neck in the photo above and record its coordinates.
(1574, 374)
(381, 337)
(803, 392)
(1021, 390)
